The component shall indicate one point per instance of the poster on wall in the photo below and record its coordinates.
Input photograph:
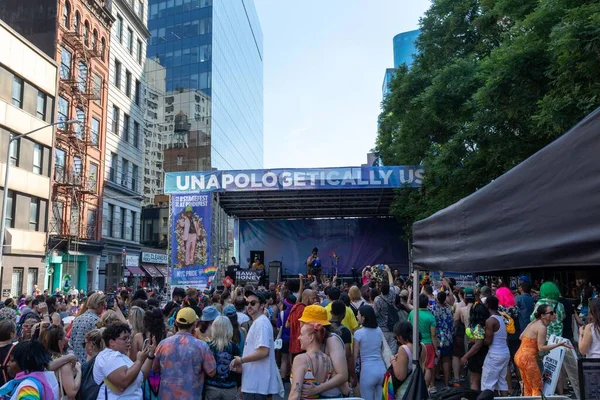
(190, 240)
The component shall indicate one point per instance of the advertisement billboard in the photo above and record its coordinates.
(190, 240)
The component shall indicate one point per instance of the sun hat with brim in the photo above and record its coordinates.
(186, 316)
(210, 313)
(314, 313)
(261, 297)
(229, 311)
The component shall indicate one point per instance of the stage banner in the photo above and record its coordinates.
(190, 240)
(462, 280)
(294, 179)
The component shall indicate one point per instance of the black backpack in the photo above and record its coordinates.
(4, 366)
(89, 389)
(393, 317)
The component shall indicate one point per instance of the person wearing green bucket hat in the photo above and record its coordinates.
(191, 229)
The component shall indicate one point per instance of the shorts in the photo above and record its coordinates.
(285, 346)
(430, 360)
(458, 346)
(446, 351)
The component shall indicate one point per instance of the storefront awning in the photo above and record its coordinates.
(164, 271)
(152, 271)
(136, 271)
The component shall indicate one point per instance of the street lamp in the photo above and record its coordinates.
(6, 175)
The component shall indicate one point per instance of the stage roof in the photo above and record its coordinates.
(287, 204)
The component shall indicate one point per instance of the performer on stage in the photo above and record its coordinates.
(257, 264)
(313, 264)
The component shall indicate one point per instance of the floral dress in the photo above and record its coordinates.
(444, 324)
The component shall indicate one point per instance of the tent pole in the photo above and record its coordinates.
(416, 341)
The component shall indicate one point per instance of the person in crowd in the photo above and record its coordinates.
(240, 307)
(286, 361)
(223, 386)
(533, 340)
(239, 333)
(495, 365)
(589, 336)
(113, 369)
(373, 294)
(461, 321)
(427, 329)
(258, 366)
(385, 310)
(550, 295)
(349, 320)
(54, 315)
(402, 364)
(93, 345)
(174, 305)
(338, 311)
(431, 300)
(8, 330)
(508, 307)
(444, 323)
(484, 293)
(203, 332)
(84, 323)
(308, 298)
(107, 318)
(27, 328)
(475, 356)
(313, 367)
(135, 317)
(153, 328)
(28, 363)
(68, 376)
(8, 313)
(584, 294)
(182, 356)
(367, 347)
(525, 304)
(367, 273)
(356, 300)
(403, 305)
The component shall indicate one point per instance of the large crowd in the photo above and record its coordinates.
(310, 338)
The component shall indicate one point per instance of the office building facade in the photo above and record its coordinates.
(75, 33)
(28, 92)
(405, 49)
(123, 168)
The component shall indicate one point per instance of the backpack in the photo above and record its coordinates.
(393, 317)
(89, 389)
(7, 391)
(509, 322)
(4, 366)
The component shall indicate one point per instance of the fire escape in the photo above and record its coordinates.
(74, 185)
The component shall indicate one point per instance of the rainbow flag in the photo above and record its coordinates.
(209, 270)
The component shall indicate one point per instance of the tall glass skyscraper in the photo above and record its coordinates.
(405, 48)
(211, 116)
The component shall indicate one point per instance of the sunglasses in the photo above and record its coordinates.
(252, 303)
(550, 312)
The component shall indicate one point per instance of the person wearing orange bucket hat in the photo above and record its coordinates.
(337, 385)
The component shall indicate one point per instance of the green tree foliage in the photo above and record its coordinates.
(494, 82)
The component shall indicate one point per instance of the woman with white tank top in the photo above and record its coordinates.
(589, 337)
(495, 365)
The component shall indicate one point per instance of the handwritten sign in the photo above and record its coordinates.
(246, 276)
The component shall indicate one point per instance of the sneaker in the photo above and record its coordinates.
(432, 390)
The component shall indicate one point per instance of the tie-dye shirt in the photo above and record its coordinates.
(182, 361)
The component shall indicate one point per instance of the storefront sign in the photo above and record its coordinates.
(5, 293)
(132, 260)
(294, 179)
(154, 258)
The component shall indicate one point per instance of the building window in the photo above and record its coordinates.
(179, 160)
(59, 165)
(56, 222)
(140, 10)
(134, 177)
(63, 112)
(118, 74)
(112, 170)
(102, 48)
(126, 121)
(40, 110)
(66, 16)
(140, 52)
(83, 74)
(77, 169)
(95, 40)
(93, 181)
(130, 40)
(10, 210)
(115, 120)
(34, 213)
(138, 89)
(110, 219)
(14, 152)
(95, 132)
(127, 83)
(17, 92)
(38, 155)
(77, 23)
(119, 28)
(16, 287)
(90, 227)
(136, 134)
(131, 225)
(124, 173)
(65, 63)
(79, 128)
(86, 33)
(122, 222)
(97, 89)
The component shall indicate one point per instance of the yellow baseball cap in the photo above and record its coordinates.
(315, 313)
(186, 316)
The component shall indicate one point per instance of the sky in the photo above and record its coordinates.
(324, 62)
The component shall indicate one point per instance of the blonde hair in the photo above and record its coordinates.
(95, 301)
(108, 317)
(221, 332)
(354, 293)
(95, 338)
(136, 319)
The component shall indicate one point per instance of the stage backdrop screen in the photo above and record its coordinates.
(357, 243)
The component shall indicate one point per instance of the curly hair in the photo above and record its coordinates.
(31, 356)
(113, 332)
(154, 323)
